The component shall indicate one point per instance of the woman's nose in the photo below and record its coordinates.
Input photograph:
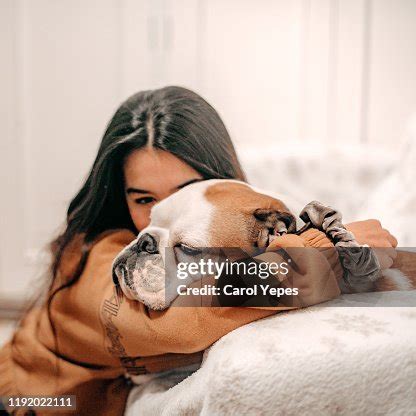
(148, 244)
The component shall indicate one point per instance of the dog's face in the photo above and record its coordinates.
(212, 213)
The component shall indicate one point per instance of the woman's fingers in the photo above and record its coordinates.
(287, 240)
(391, 238)
(372, 233)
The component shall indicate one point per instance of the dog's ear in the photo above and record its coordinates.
(271, 217)
(272, 223)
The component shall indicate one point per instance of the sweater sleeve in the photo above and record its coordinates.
(100, 335)
(131, 329)
(99, 326)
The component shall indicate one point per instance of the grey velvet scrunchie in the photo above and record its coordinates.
(360, 264)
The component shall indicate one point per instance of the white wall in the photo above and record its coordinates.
(325, 71)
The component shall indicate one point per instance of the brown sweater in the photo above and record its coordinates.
(100, 336)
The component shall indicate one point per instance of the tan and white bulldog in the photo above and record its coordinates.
(211, 213)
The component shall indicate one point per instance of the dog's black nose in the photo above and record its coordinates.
(148, 244)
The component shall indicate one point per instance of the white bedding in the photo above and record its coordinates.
(323, 360)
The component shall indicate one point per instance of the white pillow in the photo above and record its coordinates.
(338, 176)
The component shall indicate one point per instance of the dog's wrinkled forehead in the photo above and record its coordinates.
(201, 211)
(235, 195)
(198, 201)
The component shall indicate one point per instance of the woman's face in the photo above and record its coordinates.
(151, 175)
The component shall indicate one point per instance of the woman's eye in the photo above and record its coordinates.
(190, 251)
(144, 200)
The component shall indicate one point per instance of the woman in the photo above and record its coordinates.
(84, 337)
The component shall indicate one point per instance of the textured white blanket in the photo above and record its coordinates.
(354, 359)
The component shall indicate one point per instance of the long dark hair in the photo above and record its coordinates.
(173, 119)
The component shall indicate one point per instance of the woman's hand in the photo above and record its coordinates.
(372, 233)
(317, 267)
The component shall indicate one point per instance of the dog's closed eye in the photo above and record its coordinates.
(188, 250)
